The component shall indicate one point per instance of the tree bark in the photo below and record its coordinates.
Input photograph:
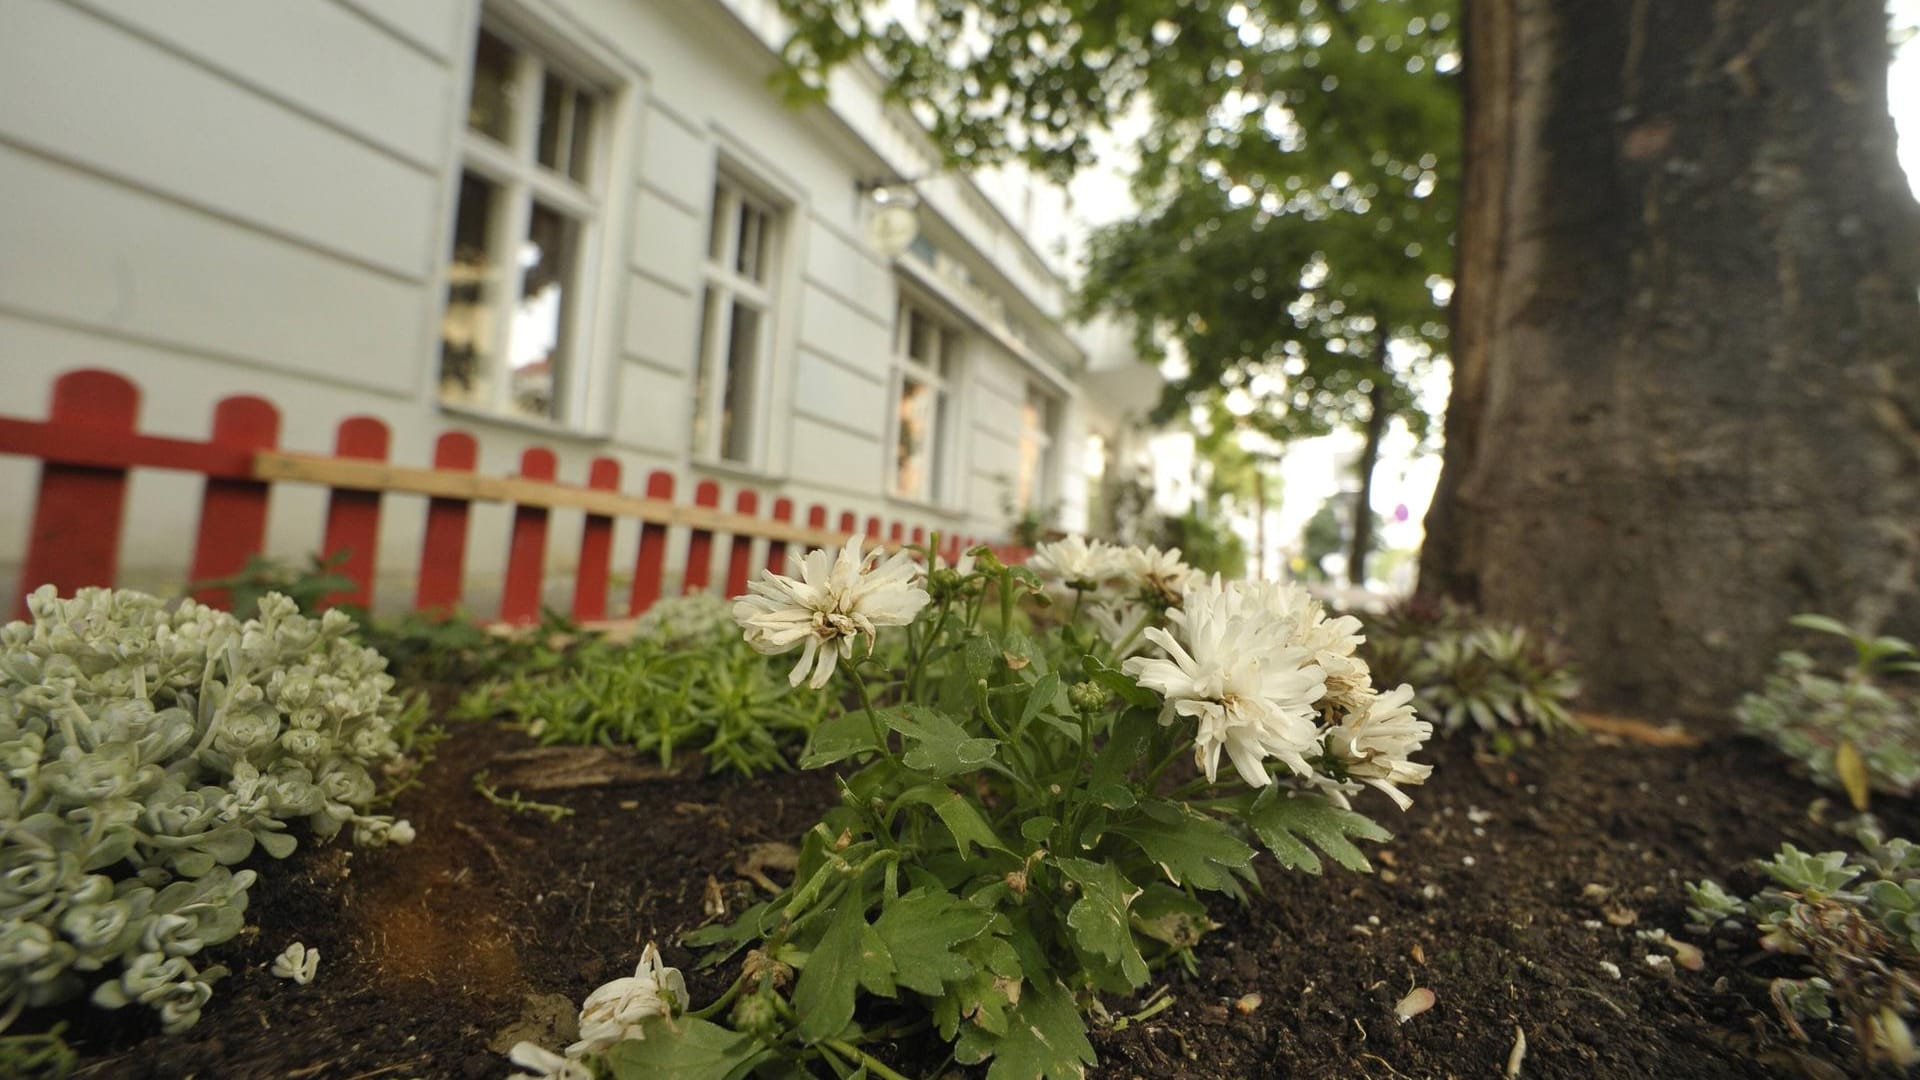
(1686, 338)
(1362, 544)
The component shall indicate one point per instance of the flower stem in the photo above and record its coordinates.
(723, 1000)
(880, 733)
(872, 1064)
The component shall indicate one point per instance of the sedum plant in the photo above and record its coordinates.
(1853, 923)
(150, 751)
(1857, 729)
(677, 686)
(1033, 803)
(1468, 669)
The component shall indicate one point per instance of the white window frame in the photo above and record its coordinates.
(729, 287)
(520, 181)
(952, 345)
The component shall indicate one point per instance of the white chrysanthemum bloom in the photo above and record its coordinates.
(1160, 575)
(545, 1064)
(1332, 641)
(834, 601)
(1119, 623)
(612, 1014)
(1077, 563)
(1249, 689)
(1374, 742)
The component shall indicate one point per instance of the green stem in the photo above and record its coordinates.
(872, 1064)
(880, 733)
(723, 1000)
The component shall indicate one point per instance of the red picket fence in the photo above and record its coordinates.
(90, 440)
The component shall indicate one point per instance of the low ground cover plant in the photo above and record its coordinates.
(1466, 668)
(1033, 803)
(1852, 923)
(686, 682)
(148, 752)
(1856, 728)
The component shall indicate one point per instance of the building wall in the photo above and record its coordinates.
(227, 197)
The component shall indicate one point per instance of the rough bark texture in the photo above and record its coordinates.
(1362, 545)
(1687, 343)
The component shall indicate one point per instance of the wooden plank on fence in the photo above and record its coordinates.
(370, 476)
(353, 515)
(596, 547)
(233, 512)
(74, 540)
(443, 550)
(527, 546)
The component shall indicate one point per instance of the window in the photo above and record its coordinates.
(526, 212)
(1039, 416)
(736, 324)
(926, 360)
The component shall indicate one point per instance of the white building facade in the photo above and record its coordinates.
(589, 225)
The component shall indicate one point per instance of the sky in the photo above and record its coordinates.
(1315, 469)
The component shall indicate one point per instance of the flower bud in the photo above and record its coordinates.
(753, 1013)
(1087, 697)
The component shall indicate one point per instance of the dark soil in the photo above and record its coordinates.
(1507, 886)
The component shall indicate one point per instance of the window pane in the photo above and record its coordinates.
(466, 330)
(536, 346)
(490, 107)
(705, 362)
(580, 156)
(717, 224)
(752, 256)
(914, 445)
(555, 121)
(920, 334)
(743, 353)
(1025, 486)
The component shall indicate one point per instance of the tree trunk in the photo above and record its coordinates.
(1687, 345)
(1362, 544)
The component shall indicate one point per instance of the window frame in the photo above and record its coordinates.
(1046, 436)
(520, 182)
(723, 287)
(946, 385)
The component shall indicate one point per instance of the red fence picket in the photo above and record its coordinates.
(596, 547)
(740, 545)
(700, 542)
(75, 540)
(233, 512)
(443, 550)
(650, 565)
(353, 516)
(783, 513)
(527, 545)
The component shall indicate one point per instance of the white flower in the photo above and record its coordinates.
(613, 1013)
(1331, 641)
(546, 1064)
(835, 601)
(1374, 742)
(1081, 565)
(1159, 575)
(298, 963)
(1251, 691)
(1119, 623)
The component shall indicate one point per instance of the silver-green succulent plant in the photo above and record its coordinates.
(148, 751)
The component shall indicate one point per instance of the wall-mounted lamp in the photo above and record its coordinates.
(893, 215)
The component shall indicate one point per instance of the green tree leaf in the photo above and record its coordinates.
(1282, 820)
(960, 817)
(824, 995)
(937, 743)
(922, 931)
(1100, 918)
(1192, 848)
(684, 1049)
(839, 738)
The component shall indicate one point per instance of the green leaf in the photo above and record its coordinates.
(1123, 686)
(960, 817)
(839, 738)
(922, 930)
(1126, 747)
(1038, 828)
(733, 935)
(684, 1049)
(277, 844)
(1823, 624)
(1192, 848)
(938, 744)
(1099, 919)
(1171, 917)
(876, 964)
(824, 995)
(1045, 1039)
(1282, 819)
(1043, 696)
(227, 846)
